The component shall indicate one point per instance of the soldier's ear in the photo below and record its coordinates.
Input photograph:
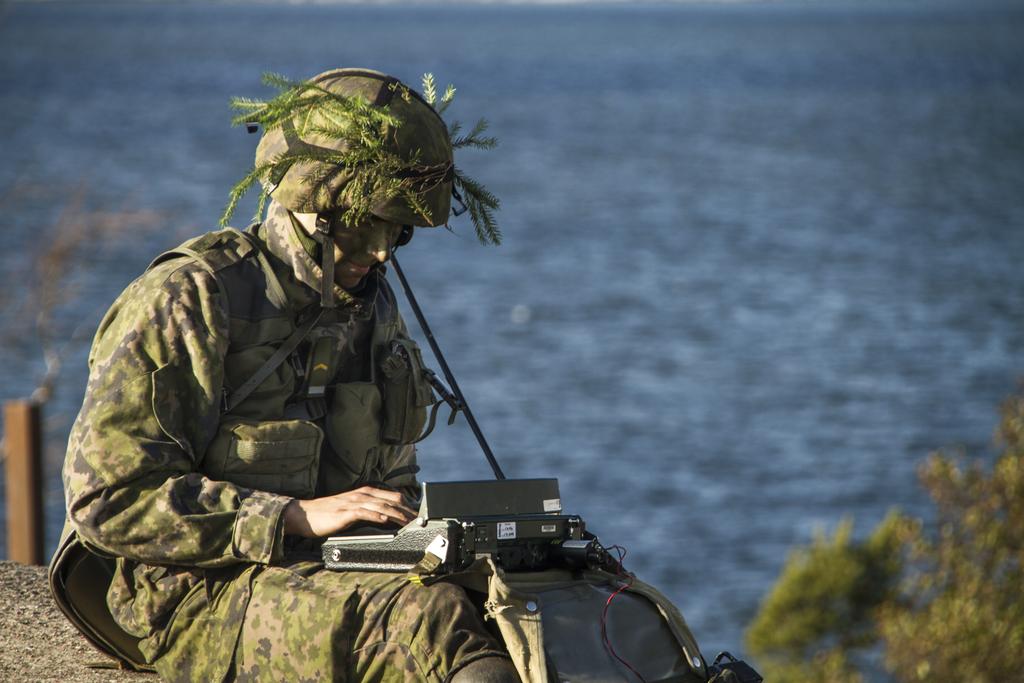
(404, 236)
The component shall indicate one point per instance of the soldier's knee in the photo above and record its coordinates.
(448, 592)
(445, 596)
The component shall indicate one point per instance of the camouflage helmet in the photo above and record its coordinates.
(421, 135)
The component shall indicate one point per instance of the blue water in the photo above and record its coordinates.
(759, 259)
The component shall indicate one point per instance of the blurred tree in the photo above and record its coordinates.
(941, 606)
(39, 308)
(821, 611)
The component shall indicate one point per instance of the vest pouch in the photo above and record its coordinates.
(277, 456)
(406, 393)
(551, 622)
(353, 429)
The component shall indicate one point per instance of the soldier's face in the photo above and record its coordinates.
(358, 248)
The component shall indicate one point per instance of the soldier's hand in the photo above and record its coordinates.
(325, 516)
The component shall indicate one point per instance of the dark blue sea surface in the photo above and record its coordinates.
(759, 260)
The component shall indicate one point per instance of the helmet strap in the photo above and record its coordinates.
(324, 229)
(462, 208)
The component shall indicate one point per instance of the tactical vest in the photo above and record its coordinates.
(289, 424)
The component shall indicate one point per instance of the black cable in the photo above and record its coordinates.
(498, 474)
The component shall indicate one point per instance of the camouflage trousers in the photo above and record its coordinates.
(305, 623)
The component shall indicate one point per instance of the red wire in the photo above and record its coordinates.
(604, 613)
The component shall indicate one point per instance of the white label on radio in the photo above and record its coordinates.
(553, 505)
(506, 530)
(548, 528)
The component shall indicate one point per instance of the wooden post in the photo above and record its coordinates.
(23, 436)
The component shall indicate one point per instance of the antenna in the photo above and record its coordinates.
(462, 405)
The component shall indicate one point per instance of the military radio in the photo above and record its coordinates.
(518, 523)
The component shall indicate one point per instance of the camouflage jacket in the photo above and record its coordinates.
(133, 482)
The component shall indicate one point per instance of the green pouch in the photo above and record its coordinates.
(406, 393)
(353, 431)
(278, 456)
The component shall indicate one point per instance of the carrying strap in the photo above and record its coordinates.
(232, 399)
(432, 421)
(435, 556)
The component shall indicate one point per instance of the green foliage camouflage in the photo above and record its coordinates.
(942, 601)
(360, 153)
(480, 202)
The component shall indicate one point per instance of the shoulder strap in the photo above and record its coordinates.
(209, 250)
(274, 288)
(209, 253)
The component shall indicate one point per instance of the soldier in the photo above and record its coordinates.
(253, 392)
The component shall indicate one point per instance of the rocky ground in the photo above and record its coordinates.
(37, 643)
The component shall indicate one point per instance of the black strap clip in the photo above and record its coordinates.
(446, 396)
(462, 204)
(728, 669)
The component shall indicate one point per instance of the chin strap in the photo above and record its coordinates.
(324, 228)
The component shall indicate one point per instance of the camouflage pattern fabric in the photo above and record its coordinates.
(307, 624)
(202, 566)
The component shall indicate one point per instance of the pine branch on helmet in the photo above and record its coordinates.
(362, 142)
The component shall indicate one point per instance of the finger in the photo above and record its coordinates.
(406, 512)
(392, 512)
(365, 515)
(396, 500)
(354, 516)
(387, 494)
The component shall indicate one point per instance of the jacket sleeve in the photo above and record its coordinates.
(152, 405)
